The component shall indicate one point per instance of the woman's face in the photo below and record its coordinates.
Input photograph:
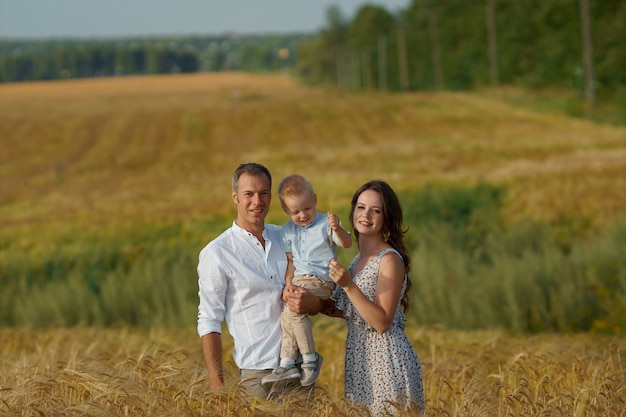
(368, 214)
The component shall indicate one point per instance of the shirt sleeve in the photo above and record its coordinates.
(212, 284)
(286, 238)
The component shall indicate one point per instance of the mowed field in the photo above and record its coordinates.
(99, 155)
(163, 148)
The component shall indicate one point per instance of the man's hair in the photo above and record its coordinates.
(294, 185)
(250, 168)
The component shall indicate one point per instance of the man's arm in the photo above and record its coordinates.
(330, 309)
(212, 349)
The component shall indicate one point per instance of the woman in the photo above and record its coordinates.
(383, 371)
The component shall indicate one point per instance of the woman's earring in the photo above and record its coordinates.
(386, 235)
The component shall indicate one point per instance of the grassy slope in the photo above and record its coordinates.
(163, 148)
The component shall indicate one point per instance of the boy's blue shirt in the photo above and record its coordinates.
(310, 246)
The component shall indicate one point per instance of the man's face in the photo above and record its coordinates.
(252, 197)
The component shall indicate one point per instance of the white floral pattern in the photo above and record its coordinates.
(381, 369)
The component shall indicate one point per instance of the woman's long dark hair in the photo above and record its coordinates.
(393, 227)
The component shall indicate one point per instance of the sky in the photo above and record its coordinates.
(43, 19)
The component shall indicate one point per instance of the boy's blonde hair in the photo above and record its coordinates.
(294, 185)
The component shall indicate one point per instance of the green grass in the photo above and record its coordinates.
(470, 271)
(611, 110)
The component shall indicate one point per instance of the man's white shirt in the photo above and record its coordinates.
(242, 282)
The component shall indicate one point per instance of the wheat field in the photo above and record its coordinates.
(159, 372)
(96, 155)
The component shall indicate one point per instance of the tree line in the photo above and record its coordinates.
(458, 45)
(30, 60)
(429, 45)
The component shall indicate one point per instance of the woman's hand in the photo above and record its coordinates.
(339, 274)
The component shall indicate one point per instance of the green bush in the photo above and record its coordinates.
(141, 277)
(469, 270)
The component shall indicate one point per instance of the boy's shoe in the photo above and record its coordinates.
(281, 374)
(311, 370)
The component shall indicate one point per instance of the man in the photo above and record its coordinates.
(241, 276)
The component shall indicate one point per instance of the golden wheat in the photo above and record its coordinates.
(159, 372)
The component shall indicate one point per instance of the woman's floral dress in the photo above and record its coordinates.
(383, 371)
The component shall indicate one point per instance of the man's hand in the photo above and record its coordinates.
(301, 301)
(330, 309)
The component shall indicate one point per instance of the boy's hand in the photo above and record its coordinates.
(288, 288)
(333, 220)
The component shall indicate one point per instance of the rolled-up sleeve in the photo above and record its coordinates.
(212, 284)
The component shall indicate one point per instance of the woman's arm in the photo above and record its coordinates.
(380, 313)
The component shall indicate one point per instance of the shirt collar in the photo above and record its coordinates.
(242, 231)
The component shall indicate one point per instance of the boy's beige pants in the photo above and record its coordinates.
(297, 330)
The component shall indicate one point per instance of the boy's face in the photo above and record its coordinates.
(301, 209)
